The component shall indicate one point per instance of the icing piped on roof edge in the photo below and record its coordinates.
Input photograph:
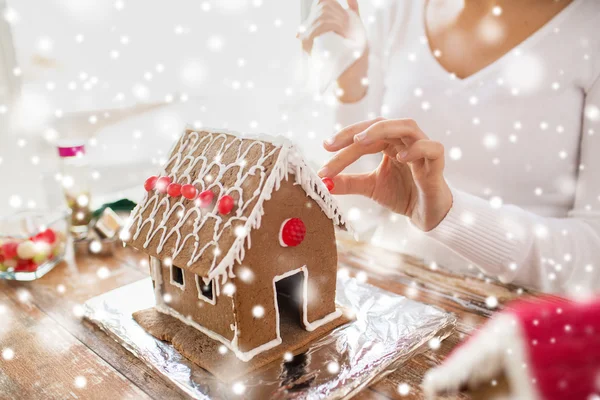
(289, 161)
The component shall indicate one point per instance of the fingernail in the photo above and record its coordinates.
(403, 154)
(329, 141)
(360, 136)
(323, 172)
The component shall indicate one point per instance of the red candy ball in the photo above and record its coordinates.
(206, 198)
(26, 266)
(150, 183)
(189, 191)
(225, 205)
(9, 250)
(47, 236)
(292, 232)
(328, 183)
(174, 190)
(163, 183)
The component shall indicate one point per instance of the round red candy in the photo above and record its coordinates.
(150, 183)
(206, 197)
(9, 249)
(189, 191)
(292, 232)
(26, 266)
(225, 205)
(163, 183)
(47, 236)
(174, 190)
(328, 183)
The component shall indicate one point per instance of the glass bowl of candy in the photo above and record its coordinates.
(32, 243)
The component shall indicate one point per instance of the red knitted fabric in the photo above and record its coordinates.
(562, 338)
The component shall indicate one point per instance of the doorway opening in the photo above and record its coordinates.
(289, 292)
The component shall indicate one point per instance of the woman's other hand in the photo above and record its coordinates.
(410, 178)
(326, 16)
(329, 16)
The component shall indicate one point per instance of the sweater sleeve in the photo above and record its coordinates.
(552, 254)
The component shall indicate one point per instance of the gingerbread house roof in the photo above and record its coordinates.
(249, 169)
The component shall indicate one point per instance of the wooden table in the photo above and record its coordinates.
(57, 355)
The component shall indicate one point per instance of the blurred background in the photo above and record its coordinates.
(128, 75)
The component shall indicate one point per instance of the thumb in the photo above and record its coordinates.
(353, 5)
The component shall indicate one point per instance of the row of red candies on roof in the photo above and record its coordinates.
(164, 185)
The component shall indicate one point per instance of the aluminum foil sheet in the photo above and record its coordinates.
(388, 330)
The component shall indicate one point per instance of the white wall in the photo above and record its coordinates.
(226, 63)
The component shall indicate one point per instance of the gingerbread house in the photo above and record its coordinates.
(231, 223)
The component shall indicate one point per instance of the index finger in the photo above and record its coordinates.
(405, 130)
(345, 137)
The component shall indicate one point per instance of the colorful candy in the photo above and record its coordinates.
(189, 191)
(26, 255)
(225, 205)
(174, 190)
(162, 183)
(9, 250)
(26, 250)
(328, 183)
(206, 198)
(292, 232)
(150, 183)
(47, 236)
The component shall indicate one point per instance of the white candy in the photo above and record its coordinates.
(42, 248)
(26, 250)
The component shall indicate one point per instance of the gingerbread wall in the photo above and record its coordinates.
(217, 318)
(267, 259)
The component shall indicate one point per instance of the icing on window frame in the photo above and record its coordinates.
(200, 284)
(173, 281)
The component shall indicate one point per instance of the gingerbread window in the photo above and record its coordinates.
(177, 277)
(206, 291)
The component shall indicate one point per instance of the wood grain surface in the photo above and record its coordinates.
(59, 356)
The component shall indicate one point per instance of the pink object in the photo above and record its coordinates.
(9, 249)
(71, 151)
(292, 232)
(557, 340)
(150, 183)
(174, 190)
(328, 183)
(563, 345)
(162, 183)
(189, 191)
(225, 205)
(206, 197)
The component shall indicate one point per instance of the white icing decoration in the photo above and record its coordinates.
(233, 344)
(281, 242)
(199, 284)
(288, 161)
(156, 273)
(309, 326)
(173, 282)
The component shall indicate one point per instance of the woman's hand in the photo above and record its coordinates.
(410, 178)
(329, 16)
(326, 16)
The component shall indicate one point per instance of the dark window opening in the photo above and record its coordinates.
(177, 275)
(289, 298)
(205, 289)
